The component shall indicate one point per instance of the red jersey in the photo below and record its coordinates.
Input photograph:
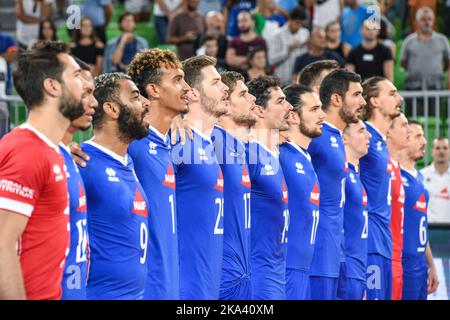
(33, 183)
(398, 200)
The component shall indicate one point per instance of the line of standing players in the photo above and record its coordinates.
(277, 193)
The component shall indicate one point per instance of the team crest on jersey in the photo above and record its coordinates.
(421, 204)
(111, 175)
(364, 197)
(299, 167)
(169, 178)
(246, 178)
(202, 154)
(139, 205)
(380, 146)
(352, 177)
(81, 199)
(334, 143)
(58, 173)
(443, 194)
(267, 170)
(315, 195)
(285, 192)
(219, 184)
(152, 148)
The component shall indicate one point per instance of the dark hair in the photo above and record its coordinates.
(260, 88)
(146, 67)
(332, 23)
(83, 65)
(410, 122)
(230, 78)
(107, 89)
(310, 75)
(253, 51)
(294, 93)
(209, 37)
(52, 26)
(338, 81)
(193, 67)
(371, 89)
(122, 17)
(76, 36)
(298, 13)
(34, 66)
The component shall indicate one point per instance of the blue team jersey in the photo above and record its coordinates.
(75, 269)
(230, 154)
(117, 226)
(328, 158)
(200, 204)
(376, 177)
(415, 224)
(153, 165)
(355, 226)
(270, 222)
(303, 186)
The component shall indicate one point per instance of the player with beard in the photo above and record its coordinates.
(227, 137)
(75, 269)
(352, 277)
(199, 192)
(269, 196)
(398, 138)
(34, 212)
(117, 210)
(383, 105)
(341, 96)
(159, 77)
(305, 123)
(419, 271)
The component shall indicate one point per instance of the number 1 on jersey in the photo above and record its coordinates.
(247, 213)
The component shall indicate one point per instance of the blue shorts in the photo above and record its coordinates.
(415, 279)
(297, 285)
(323, 288)
(379, 277)
(349, 288)
(241, 291)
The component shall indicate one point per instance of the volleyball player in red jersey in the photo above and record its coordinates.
(398, 137)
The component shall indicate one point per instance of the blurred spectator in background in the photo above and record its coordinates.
(353, 16)
(215, 26)
(231, 10)
(414, 6)
(140, 9)
(47, 30)
(316, 52)
(268, 17)
(239, 47)
(287, 44)
(211, 48)
(209, 5)
(327, 11)
(87, 47)
(100, 12)
(287, 5)
(257, 61)
(437, 181)
(186, 29)
(8, 51)
(163, 11)
(333, 33)
(29, 14)
(122, 49)
(313, 74)
(425, 55)
(371, 58)
(387, 29)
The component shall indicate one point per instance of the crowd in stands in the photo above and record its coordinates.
(254, 37)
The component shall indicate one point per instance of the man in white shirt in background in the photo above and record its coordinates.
(437, 181)
(287, 44)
